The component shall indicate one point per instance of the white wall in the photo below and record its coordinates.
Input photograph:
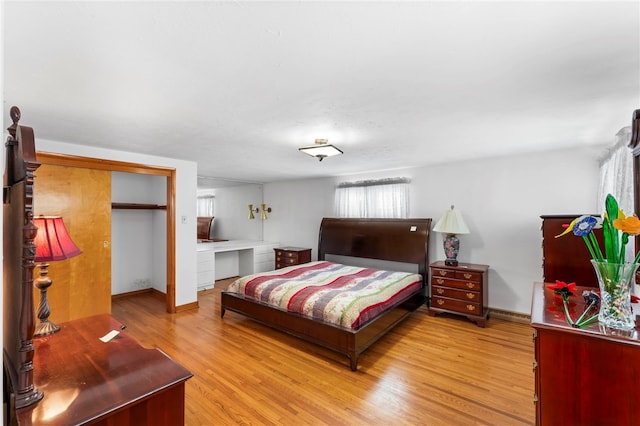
(501, 200)
(186, 185)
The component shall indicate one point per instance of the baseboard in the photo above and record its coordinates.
(158, 295)
(510, 316)
(187, 307)
(131, 293)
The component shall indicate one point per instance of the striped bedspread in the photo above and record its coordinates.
(345, 296)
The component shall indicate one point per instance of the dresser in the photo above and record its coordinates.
(460, 290)
(119, 382)
(582, 376)
(566, 258)
(288, 256)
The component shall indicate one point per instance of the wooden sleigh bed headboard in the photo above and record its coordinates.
(19, 252)
(396, 240)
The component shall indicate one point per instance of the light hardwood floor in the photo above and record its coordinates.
(427, 371)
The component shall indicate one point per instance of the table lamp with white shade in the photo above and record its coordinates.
(451, 223)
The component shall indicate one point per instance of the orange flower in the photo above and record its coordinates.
(630, 225)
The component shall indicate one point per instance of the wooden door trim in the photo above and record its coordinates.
(56, 159)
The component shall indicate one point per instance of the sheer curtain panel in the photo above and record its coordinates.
(383, 198)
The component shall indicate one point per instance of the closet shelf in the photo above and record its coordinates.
(134, 206)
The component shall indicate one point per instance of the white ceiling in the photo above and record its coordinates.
(239, 86)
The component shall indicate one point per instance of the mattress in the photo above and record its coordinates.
(333, 293)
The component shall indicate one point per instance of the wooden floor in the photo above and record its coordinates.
(427, 371)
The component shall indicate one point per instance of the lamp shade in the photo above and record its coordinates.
(52, 240)
(451, 222)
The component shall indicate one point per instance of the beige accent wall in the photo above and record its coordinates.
(81, 285)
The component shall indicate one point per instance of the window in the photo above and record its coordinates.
(205, 205)
(616, 172)
(383, 198)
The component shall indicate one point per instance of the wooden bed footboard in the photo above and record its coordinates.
(347, 342)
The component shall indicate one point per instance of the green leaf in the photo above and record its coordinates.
(611, 239)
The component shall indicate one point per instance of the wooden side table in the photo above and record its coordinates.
(461, 290)
(288, 256)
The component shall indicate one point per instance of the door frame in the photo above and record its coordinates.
(56, 159)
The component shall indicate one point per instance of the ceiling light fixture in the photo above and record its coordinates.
(321, 149)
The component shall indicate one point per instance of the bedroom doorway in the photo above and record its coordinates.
(120, 166)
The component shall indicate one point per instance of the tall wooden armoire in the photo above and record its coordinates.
(566, 258)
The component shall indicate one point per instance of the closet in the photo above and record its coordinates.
(80, 190)
(138, 231)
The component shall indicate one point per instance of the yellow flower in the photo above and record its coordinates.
(630, 225)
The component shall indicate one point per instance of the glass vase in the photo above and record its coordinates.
(615, 281)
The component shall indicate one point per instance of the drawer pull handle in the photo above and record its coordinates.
(535, 365)
(440, 302)
(471, 307)
(471, 296)
(439, 290)
(471, 285)
(443, 273)
(439, 280)
(467, 275)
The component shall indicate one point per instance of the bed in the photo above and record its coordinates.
(405, 241)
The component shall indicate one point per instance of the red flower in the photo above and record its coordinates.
(563, 289)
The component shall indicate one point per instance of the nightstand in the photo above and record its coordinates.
(288, 256)
(460, 290)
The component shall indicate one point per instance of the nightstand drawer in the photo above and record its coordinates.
(467, 296)
(464, 285)
(443, 273)
(469, 276)
(286, 261)
(461, 306)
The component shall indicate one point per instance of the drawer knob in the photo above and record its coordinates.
(467, 275)
(471, 296)
(439, 290)
(443, 273)
(439, 280)
(440, 302)
(471, 307)
(471, 285)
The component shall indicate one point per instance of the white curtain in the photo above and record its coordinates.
(384, 198)
(616, 178)
(205, 205)
(616, 173)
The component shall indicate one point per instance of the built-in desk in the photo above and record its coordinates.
(86, 381)
(224, 259)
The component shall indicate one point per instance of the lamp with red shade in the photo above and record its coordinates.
(52, 243)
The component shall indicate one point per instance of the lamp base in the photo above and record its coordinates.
(45, 328)
(451, 245)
